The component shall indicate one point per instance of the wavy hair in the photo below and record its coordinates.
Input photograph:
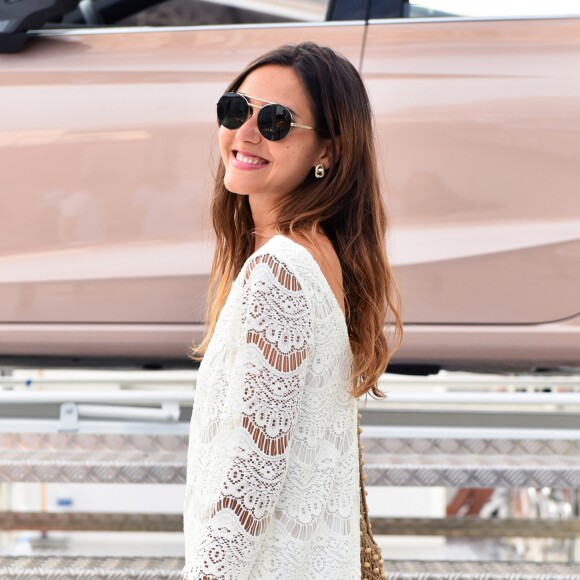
(346, 205)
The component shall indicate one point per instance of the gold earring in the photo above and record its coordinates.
(319, 171)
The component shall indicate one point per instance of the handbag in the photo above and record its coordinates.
(371, 558)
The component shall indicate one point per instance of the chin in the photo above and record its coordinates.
(233, 187)
(238, 186)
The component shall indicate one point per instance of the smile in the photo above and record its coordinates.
(247, 161)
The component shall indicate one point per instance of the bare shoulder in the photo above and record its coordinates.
(327, 259)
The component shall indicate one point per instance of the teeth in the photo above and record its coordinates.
(251, 160)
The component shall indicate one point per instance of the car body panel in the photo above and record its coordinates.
(109, 217)
(107, 147)
(483, 348)
(479, 125)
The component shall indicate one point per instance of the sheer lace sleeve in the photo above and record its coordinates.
(264, 394)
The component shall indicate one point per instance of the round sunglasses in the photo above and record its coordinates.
(274, 120)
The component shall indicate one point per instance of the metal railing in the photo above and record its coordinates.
(150, 446)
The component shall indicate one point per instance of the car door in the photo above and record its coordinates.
(107, 148)
(478, 116)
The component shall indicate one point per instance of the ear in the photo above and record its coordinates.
(326, 156)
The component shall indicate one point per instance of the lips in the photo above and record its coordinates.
(247, 160)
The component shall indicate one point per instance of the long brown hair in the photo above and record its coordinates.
(347, 205)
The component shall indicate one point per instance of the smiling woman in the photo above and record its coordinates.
(299, 291)
(284, 161)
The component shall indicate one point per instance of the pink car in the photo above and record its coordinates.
(108, 137)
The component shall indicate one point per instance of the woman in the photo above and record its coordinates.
(273, 465)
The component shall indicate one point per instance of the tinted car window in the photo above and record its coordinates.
(194, 12)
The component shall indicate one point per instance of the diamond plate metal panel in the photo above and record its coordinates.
(445, 570)
(374, 445)
(497, 473)
(78, 466)
(120, 458)
(472, 446)
(79, 568)
(93, 442)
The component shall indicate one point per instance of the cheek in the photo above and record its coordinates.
(295, 166)
(225, 141)
(298, 155)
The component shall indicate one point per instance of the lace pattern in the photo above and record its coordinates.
(272, 475)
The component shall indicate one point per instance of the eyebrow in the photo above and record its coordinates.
(271, 103)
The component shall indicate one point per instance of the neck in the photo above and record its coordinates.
(264, 218)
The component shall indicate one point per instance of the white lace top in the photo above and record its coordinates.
(272, 474)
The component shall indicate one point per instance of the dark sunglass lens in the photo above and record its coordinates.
(274, 122)
(232, 111)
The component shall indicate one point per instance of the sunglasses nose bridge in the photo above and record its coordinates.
(249, 128)
(251, 114)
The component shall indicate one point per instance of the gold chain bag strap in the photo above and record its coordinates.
(371, 558)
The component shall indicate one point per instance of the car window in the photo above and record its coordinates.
(21, 19)
(194, 12)
(491, 8)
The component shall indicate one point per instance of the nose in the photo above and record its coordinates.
(249, 130)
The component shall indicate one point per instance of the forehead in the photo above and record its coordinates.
(279, 84)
